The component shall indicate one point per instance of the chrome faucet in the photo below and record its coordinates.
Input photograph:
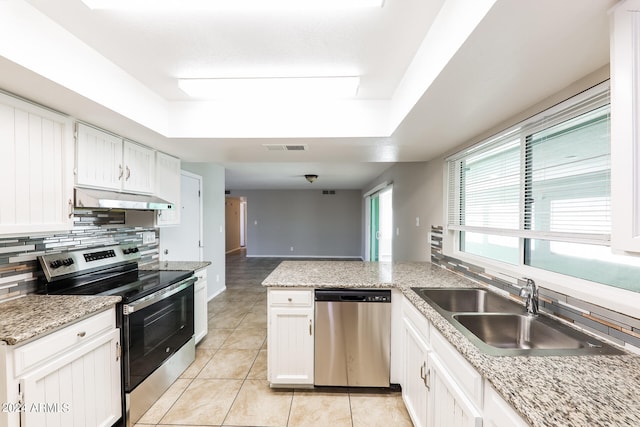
(530, 292)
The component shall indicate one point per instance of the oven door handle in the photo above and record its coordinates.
(158, 296)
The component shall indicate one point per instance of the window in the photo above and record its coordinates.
(539, 194)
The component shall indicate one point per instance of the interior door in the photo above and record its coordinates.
(184, 242)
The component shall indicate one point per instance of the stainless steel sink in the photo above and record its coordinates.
(526, 334)
(468, 300)
(499, 326)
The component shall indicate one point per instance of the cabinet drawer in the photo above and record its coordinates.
(291, 298)
(30, 355)
(201, 274)
(464, 374)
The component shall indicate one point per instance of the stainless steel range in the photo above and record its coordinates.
(155, 316)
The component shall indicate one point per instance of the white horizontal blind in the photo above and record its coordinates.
(567, 170)
(546, 179)
(484, 186)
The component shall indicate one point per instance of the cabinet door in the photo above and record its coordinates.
(497, 412)
(452, 408)
(625, 126)
(290, 347)
(36, 168)
(414, 386)
(168, 187)
(200, 307)
(79, 389)
(139, 168)
(98, 159)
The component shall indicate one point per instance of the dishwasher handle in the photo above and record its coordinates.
(356, 298)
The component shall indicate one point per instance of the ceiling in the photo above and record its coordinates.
(434, 75)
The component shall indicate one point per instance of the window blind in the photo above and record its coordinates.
(547, 178)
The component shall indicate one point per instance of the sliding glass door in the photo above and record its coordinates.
(380, 225)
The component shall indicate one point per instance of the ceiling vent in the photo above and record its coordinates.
(285, 147)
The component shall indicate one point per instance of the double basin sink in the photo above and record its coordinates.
(501, 327)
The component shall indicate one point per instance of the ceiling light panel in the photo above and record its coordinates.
(267, 87)
(188, 5)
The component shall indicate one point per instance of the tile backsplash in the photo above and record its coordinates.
(19, 269)
(617, 327)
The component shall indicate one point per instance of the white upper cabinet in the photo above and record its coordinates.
(168, 187)
(625, 126)
(36, 168)
(139, 168)
(108, 162)
(98, 159)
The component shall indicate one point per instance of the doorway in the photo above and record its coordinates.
(380, 225)
(235, 223)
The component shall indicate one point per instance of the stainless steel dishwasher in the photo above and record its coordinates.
(352, 340)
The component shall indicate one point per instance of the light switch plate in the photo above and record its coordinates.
(148, 237)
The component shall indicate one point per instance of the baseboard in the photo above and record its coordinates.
(358, 257)
(217, 293)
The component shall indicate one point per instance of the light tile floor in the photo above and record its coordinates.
(227, 383)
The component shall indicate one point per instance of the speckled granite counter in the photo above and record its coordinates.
(33, 315)
(176, 265)
(559, 391)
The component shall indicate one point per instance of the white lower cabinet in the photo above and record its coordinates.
(497, 412)
(452, 408)
(440, 388)
(415, 375)
(201, 321)
(68, 378)
(290, 337)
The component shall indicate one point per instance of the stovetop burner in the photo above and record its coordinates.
(109, 271)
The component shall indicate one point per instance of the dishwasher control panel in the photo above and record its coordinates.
(353, 295)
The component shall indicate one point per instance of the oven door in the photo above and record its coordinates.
(154, 328)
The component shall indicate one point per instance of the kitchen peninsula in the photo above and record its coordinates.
(544, 390)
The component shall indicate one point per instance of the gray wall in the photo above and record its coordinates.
(212, 222)
(417, 193)
(315, 225)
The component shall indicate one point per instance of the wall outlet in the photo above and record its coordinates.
(148, 237)
(291, 249)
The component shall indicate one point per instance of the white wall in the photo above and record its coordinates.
(212, 222)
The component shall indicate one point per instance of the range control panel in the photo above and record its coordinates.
(66, 264)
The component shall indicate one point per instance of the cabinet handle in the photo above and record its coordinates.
(289, 299)
(422, 372)
(70, 208)
(128, 174)
(82, 334)
(121, 172)
(310, 328)
(118, 351)
(427, 379)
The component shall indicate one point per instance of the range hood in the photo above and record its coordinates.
(99, 199)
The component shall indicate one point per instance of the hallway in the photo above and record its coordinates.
(227, 384)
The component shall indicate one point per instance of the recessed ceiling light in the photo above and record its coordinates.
(271, 87)
(184, 5)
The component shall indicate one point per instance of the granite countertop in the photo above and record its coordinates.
(547, 391)
(176, 265)
(31, 316)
